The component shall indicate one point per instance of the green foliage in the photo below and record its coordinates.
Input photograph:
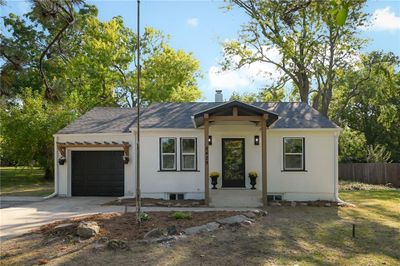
(28, 128)
(314, 39)
(144, 216)
(352, 146)
(377, 154)
(182, 215)
(367, 100)
(265, 95)
(214, 174)
(253, 174)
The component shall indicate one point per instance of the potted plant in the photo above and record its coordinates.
(253, 177)
(214, 179)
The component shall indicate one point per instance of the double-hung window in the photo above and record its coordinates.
(188, 154)
(293, 154)
(168, 154)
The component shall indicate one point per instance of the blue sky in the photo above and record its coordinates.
(200, 26)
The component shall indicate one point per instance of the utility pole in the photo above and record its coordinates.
(138, 196)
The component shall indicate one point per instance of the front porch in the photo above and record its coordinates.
(235, 143)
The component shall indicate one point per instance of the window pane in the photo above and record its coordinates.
(293, 145)
(168, 145)
(293, 162)
(168, 162)
(180, 197)
(188, 145)
(188, 161)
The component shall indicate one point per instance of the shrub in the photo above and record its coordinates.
(214, 174)
(144, 216)
(253, 174)
(183, 215)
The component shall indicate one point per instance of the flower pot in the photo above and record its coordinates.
(253, 181)
(214, 181)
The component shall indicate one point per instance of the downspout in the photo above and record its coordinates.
(55, 172)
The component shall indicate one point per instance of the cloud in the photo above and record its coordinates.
(384, 19)
(192, 22)
(246, 77)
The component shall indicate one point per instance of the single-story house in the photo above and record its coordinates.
(292, 148)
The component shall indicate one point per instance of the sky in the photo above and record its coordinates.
(201, 26)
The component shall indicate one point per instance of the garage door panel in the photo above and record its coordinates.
(97, 173)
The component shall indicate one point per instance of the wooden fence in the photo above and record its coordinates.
(372, 173)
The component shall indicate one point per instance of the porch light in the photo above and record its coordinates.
(125, 159)
(61, 160)
(256, 140)
(209, 140)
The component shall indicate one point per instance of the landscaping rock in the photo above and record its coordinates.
(250, 215)
(164, 239)
(117, 244)
(202, 228)
(247, 223)
(87, 229)
(172, 230)
(303, 204)
(155, 233)
(64, 227)
(327, 204)
(234, 220)
(293, 203)
(260, 212)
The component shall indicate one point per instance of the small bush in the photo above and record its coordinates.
(144, 216)
(182, 215)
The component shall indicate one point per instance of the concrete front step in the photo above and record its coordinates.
(235, 198)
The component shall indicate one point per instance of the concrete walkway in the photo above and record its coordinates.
(25, 216)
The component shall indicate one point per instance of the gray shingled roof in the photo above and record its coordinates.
(178, 115)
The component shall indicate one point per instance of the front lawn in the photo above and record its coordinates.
(286, 236)
(24, 181)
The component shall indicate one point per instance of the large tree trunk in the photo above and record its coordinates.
(48, 174)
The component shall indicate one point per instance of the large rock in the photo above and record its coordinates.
(64, 227)
(234, 220)
(87, 229)
(202, 228)
(155, 233)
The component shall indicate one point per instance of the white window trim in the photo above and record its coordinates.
(194, 168)
(162, 168)
(302, 168)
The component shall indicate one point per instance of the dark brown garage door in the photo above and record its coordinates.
(97, 173)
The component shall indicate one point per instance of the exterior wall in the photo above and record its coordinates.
(63, 172)
(156, 183)
(318, 181)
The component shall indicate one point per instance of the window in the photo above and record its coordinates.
(176, 196)
(168, 154)
(293, 154)
(188, 154)
(274, 197)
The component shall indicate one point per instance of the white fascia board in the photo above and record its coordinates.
(164, 129)
(92, 134)
(338, 129)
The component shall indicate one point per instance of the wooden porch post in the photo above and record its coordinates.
(206, 166)
(264, 158)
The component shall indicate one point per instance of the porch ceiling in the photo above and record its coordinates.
(235, 111)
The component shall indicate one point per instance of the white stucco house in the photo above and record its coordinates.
(291, 146)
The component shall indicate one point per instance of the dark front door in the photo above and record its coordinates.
(97, 173)
(233, 171)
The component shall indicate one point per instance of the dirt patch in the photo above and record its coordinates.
(123, 225)
(148, 202)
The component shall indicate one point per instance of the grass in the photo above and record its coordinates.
(182, 215)
(286, 236)
(350, 185)
(24, 181)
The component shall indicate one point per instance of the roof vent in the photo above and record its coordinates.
(218, 96)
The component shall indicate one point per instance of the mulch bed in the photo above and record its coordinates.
(149, 202)
(123, 226)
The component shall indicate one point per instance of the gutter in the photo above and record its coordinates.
(55, 193)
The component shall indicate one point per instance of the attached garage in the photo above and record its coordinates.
(97, 173)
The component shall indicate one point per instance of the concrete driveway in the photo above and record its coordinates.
(21, 217)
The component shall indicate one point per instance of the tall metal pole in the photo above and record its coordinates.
(138, 200)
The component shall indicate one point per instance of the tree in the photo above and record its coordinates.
(27, 130)
(265, 95)
(312, 45)
(368, 100)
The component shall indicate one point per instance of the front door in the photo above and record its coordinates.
(233, 172)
